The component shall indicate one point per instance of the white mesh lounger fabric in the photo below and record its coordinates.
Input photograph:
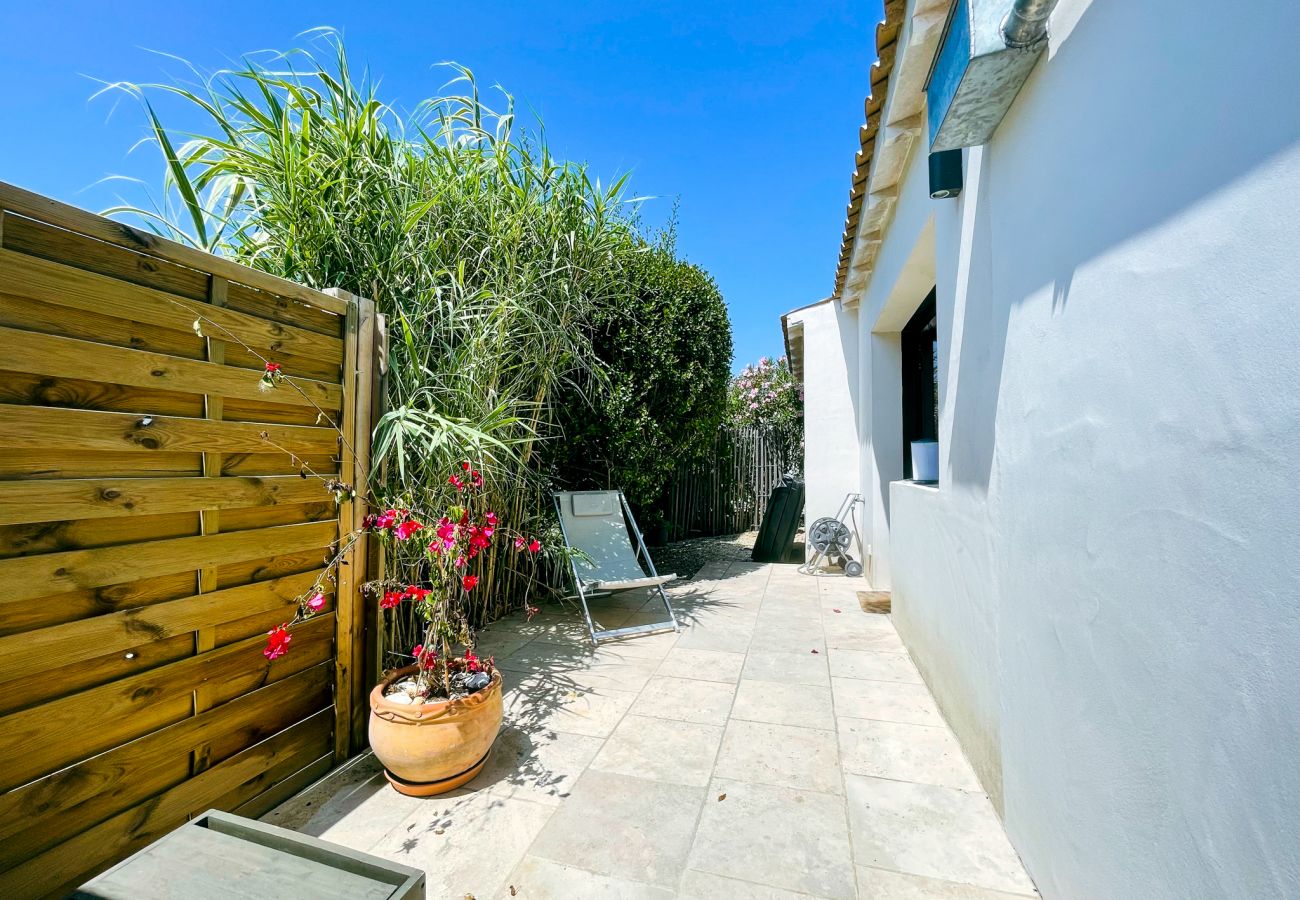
(593, 522)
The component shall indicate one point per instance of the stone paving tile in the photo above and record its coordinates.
(703, 665)
(890, 701)
(537, 763)
(727, 636)
(355, 807)
(932, 831)
(883, 640)
(861, 631)
(625, 827)
(540, 879)
(704, 886)
(541, 703)
(873, 665)
(500, 644)
(775, 836)
(927, 754)
(467, 843)
(585, 668)
(789, 637)
(787, 667)
(687, 699)
(661, 750)
(784, 704)
(605, 778)
(782, 755)
(881, 884)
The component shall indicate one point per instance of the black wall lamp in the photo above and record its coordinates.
(945, 174)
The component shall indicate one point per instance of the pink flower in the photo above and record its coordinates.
(520, 543)
(491, 519)
(277, 642)
(406, 529)
(316, 602)
(453, 480)
(391, 599)
(272, 368)
(465, 466)
(534, 545)
(461, 562)
(416, 593)
(469, 582)
(386, 519)
(423, 658)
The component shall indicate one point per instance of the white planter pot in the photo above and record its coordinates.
(925, 460)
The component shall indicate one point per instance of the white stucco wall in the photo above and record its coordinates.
(1104, 590)
(830, 378)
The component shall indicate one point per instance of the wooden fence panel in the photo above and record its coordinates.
(154, 524)
(726, 491)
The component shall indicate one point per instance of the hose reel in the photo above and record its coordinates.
(834, 542)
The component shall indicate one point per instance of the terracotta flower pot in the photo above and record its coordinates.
(433, 748)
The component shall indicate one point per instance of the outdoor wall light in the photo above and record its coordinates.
(945, 174)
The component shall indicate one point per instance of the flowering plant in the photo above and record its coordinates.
(766, 394)
(439, 555)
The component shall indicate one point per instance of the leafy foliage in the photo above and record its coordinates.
(668, 355)
(515, 286)
(489, 257)
(765, 394)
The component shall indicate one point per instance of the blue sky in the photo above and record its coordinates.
(746, 112)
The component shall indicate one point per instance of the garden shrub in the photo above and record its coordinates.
(521, 300)
(667, 353)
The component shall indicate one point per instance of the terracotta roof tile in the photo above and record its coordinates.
(886, 44)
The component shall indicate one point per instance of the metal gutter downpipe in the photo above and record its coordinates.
(1026, 24)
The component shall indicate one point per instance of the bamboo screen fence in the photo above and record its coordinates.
(726, 491)
(154, 527)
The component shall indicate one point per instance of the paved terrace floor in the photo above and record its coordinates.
(781, 745)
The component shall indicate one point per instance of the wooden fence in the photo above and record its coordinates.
(154, 526)
(726, 491)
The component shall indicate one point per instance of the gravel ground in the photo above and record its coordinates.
(688, 557)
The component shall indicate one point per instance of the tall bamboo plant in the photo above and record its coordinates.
(489, 257)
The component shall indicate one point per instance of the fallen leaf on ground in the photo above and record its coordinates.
(836, 610)
(722, 797)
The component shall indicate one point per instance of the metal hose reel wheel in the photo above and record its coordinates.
(829, 535)
(832, 540)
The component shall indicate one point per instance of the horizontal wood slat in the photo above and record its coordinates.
(37, 427)
(253, 770)
(93, 498)
(72, 288)
(47, 210)
(35, 742)
(44, 812)
(31, 652)
(63, 357)
(159, 513)
(26, 577)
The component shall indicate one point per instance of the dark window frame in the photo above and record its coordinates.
(920, 365)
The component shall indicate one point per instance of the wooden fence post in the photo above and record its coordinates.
(350, 681)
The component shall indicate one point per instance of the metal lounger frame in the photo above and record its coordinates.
(583, 594)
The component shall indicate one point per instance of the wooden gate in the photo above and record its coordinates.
(157, 518)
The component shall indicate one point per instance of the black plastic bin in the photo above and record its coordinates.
(781, 521)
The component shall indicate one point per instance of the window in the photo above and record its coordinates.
(920, 351)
